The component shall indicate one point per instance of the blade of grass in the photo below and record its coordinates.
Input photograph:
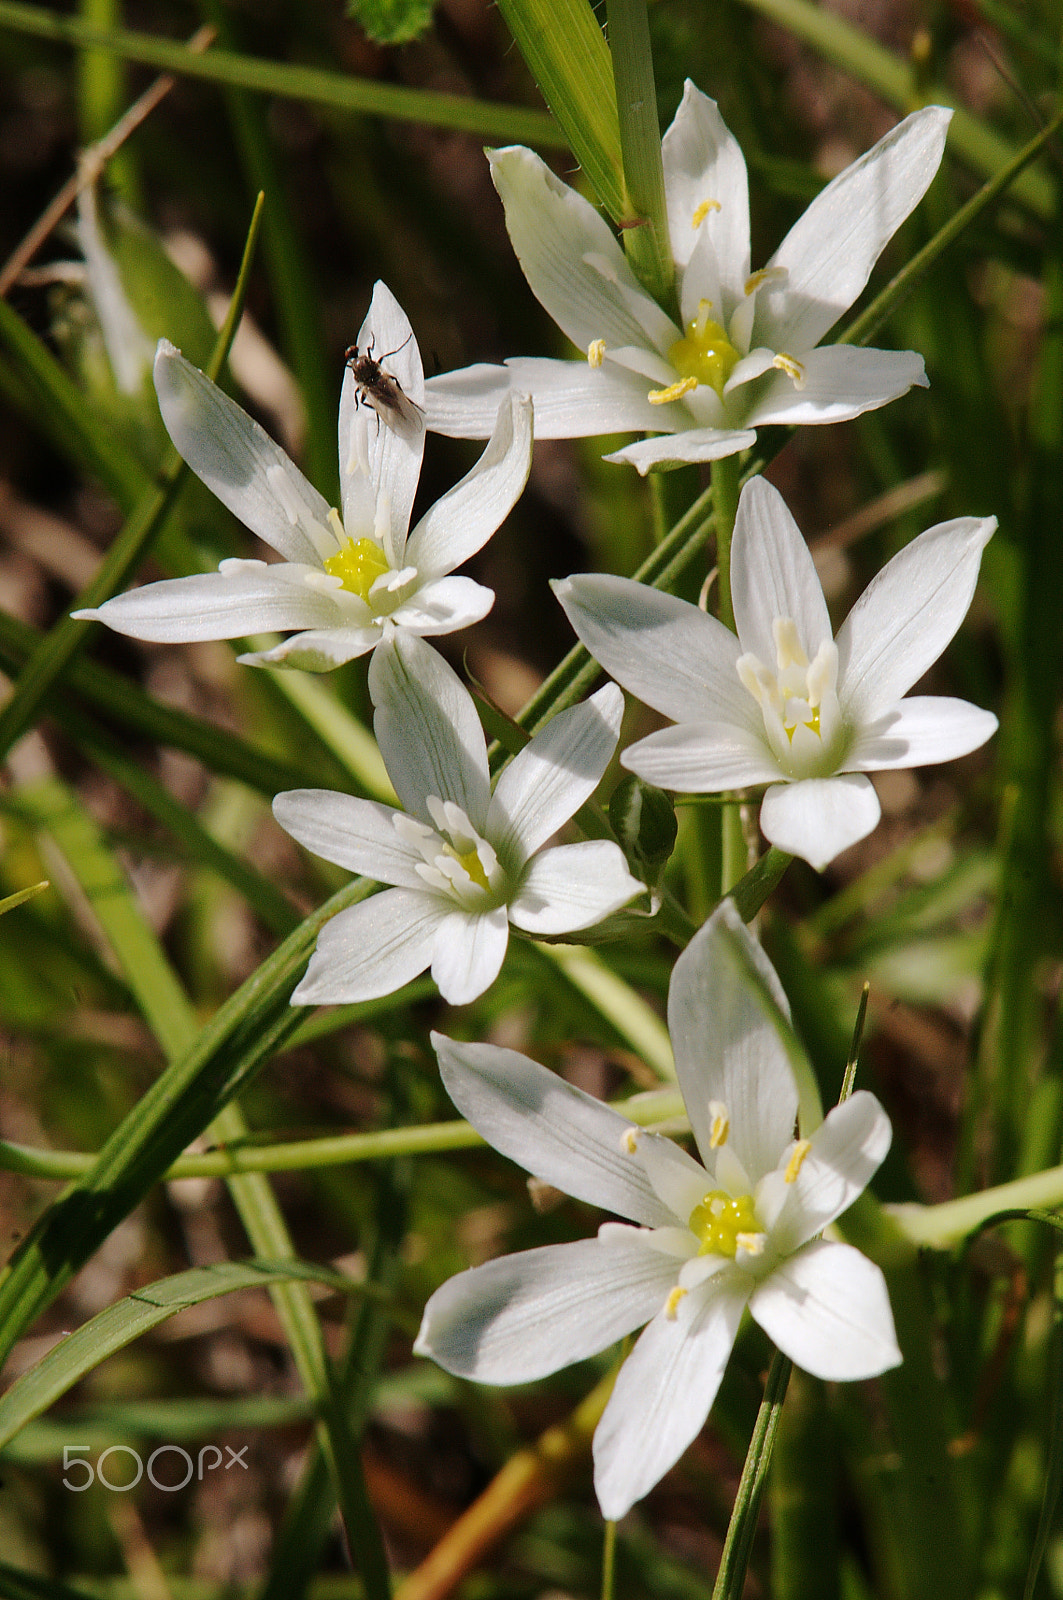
(173, 1021)
(891, 77)
(295, 296)
(862, 329)
(57, 648)
(367, 96)
(67, 1362)
(568, 57)
(87, 683)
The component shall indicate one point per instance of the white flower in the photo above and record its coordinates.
(784, 703)
(738, 1230)
(342, 584)
(746, 353)
(466, 863)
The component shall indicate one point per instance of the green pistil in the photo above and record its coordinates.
(358, 564)
(719, 1218)
(473, 866)
(705, 353)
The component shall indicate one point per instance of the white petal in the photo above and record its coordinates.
(239, 462)
(664, 1392)
(572, 399)
(427, 729)
(548, 781)
(694, 444)
(921, 731)
(907, 615)
(679, 1180)
(526, 1315)
(461, 523)
(726, 1045)
(703, 161)
(827, 1308)
(443, 605)
(468, 953)
(380, 459)
(372, 949)
(702, 758)
(844, 1154)
(839, 381)
(317, 650)
(356, 834)
(773, 575)
(553, 230)
(464, 404)
(666, 651)
(573, 886)
(818, 818)
(550, 1128)
(243, 597)
(830, 251)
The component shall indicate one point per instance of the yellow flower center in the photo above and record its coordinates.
(705, 353)
(722, 1222)
(358, 563)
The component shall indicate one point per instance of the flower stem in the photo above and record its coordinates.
(938, 1227)
(609, 1561)
(725, 485)
(730, 1578)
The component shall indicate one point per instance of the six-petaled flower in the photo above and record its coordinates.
(746, 350)
(739, 1228)
(343, 583)
(785, 703)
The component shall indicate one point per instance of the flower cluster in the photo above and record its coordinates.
(783, 704)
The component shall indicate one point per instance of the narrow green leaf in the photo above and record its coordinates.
(121, 1323)
(367, 96)
(1054, 1472)
(850, 48)
(567, 55)
(295, 296)
(863, 328)
(21, 896)
(57, 648)
(87, 683)
(67, 417)
(647, 244)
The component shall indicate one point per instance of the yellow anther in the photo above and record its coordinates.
(596, 352)
(674, 391)
(629, 1139)
(335, 522)
(720, 1126)
(702, 211)
(796, 1161)
(792, 368)
(671, 1305)
(751, 1243)
(764, 275)
(358, 564)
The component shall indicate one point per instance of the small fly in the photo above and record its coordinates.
(380, 391)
